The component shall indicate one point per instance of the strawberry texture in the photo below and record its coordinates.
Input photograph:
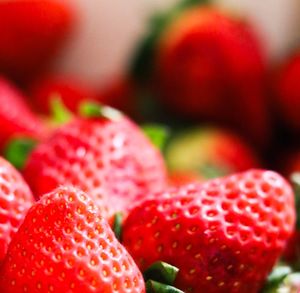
(111, 160)
(65, 245)
(224, 235)
(15, 200)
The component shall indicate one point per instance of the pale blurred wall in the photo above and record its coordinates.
(108, 30)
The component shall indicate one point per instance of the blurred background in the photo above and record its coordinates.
(220, 76)
(108, 30)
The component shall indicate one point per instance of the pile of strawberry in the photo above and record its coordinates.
(91, 201)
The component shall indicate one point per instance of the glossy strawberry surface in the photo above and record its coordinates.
(224, 235)
(15, 200)
(65, 245)
(112, 160)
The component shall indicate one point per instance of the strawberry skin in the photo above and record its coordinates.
(210, 152)
(69, 90)
(209, 65)
(16, 119)
(111, 160)
(15, 200)
(31, 33)
(287, 91)
(224, 235)
(65, 245)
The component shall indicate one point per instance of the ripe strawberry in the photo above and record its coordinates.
(182, 178)
(209, 65)
(209, 152)
(287, 91)
(15, 200)
(70, 91)
(108, 157)
(119, 94)
(65, 245)
(31, 33)
(16, 119)
(224, 235)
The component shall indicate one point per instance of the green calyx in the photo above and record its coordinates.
(161, 272)
(156, 287)
(59, 113)
(160, 277)
(18, 149)
(158, 134)
(142, 64)
(96, 110)
(282, 279)
(117, 225)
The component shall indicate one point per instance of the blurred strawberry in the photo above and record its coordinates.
(16, 119)
(178, 179)
(287, 91)
(70, 91)
(120, 94)
(209, 152)
(209, 65)
(32, 32)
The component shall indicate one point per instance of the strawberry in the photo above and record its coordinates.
(178, 178)
(210, 152)
(15, 200)
(287, 92)
(224, 235)
(65, 245)
(16, 119)
(107, 156)
(119, 94)
(32, 32)
(69, 90)
(208, 65)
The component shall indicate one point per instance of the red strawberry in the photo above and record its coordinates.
(15, 200)
(109, 158)
(65, 245)
(16, 119)
(182, 178)
(209, 152)
(209, 65)
(70, 91)
(120, 94)
(31, 33)
(287, 91)
(224, 235)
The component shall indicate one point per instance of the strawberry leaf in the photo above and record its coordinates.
(161, 272)
(156, 287)
(158, 134)
(276, 278)
(117, 225)
(96, 110)
(59, 113)
(18, 149)
(142, 64)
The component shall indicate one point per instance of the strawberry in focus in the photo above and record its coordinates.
(32, 32)
(16, 118)
(15, 200)
(209, 152)
(65, 245)
(106, 156)
(224, 235)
